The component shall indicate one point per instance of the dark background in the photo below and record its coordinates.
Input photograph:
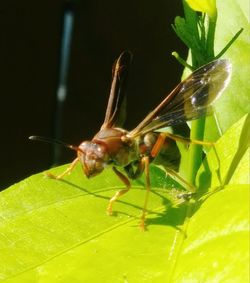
(30, 36)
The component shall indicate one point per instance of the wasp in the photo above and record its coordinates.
(131, 152)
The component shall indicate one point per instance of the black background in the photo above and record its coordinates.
(30, 34)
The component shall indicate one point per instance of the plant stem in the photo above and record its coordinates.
(229, 44)
(198, 126)
(195, 151)
(182, 61)
(210, 38)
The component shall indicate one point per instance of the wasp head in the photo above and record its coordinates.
(93, 157)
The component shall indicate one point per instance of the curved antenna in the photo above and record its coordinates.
(54, 141)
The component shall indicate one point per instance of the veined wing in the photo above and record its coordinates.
(190, 100)
(115, 113)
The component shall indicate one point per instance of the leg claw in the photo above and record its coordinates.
(142, 224)
(109, 210)
(49, 175)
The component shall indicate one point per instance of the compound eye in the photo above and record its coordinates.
(85, 146)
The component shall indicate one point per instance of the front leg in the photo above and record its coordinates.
(67, 171)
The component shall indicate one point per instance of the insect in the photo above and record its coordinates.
(130, 152)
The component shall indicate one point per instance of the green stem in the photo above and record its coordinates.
(182, 61)
(210, 37)
(195, 151)
(229, 44)
(198, 126)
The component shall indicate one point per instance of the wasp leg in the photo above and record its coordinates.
(145, 161)
(189, 141)
(125, 180)
(158, 145)
(175, 175)
(162, 137)
(67, 171)
(156, 149)
(133, 175)
(186, 140)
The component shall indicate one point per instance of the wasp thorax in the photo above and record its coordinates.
(93, 157)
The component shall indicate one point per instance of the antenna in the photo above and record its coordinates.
(54, 141)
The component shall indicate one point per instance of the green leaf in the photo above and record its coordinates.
(57, 230)
(221, 166)
(235, 101)
(216, 248)
(47, 224)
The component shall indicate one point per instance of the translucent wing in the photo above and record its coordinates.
(190, 100)
(115, 113)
